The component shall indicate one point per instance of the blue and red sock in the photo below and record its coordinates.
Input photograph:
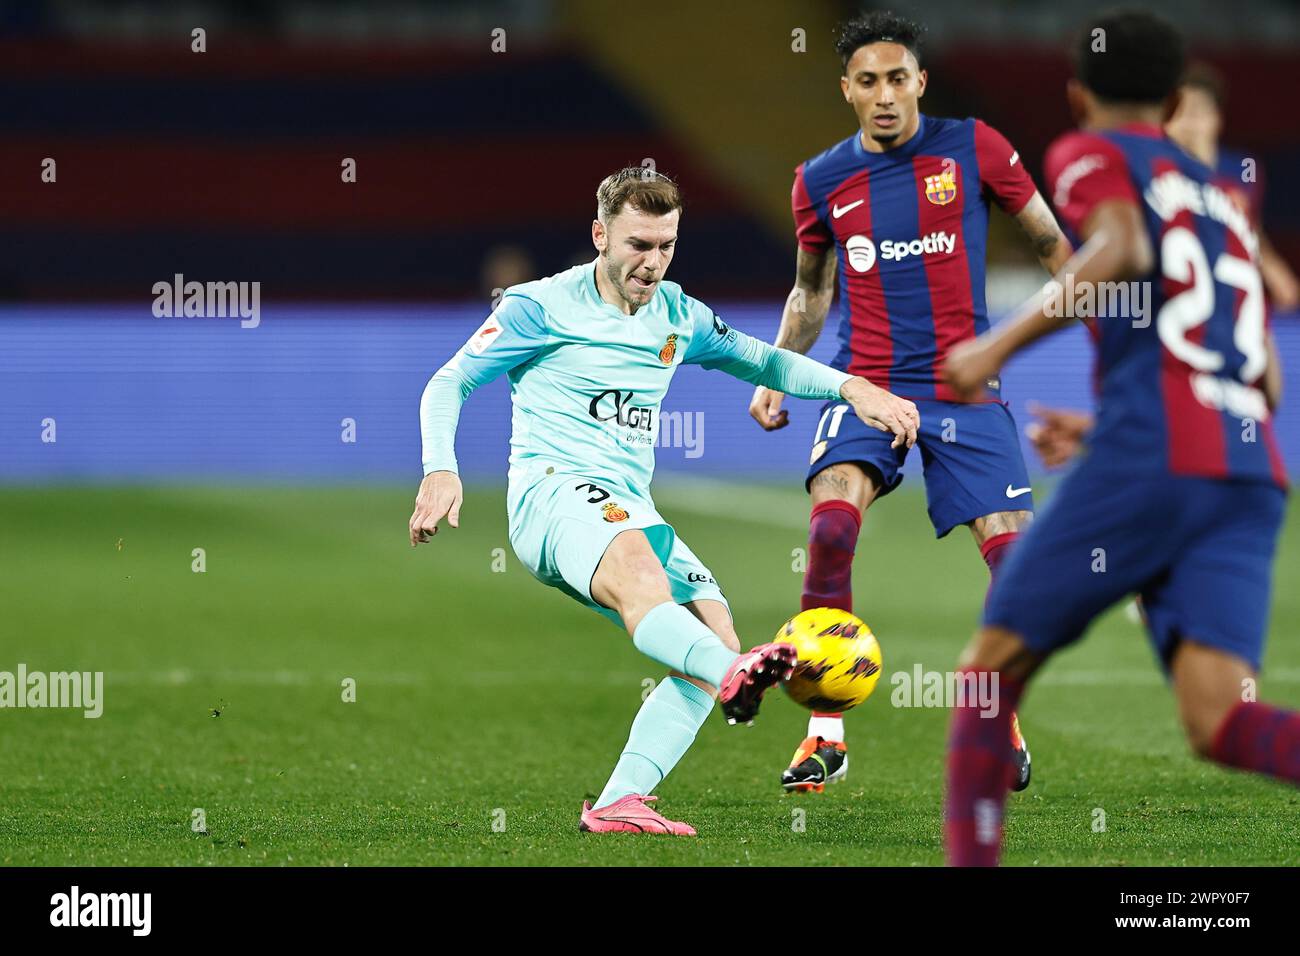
(979, 775)
(828, 582)
(1260, 737)
(832, 539)
(994, 551)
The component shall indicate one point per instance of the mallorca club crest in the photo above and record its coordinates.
(669, 350)
(941, 189)
(612, 511)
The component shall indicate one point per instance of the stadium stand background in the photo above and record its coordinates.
(475, 168)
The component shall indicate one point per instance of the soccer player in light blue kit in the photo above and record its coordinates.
(589, 353)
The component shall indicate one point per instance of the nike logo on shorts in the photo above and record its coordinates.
(1016, 492)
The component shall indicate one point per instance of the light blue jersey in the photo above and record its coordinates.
(587, 380)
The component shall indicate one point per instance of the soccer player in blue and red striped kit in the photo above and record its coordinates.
(900, 210)
(1181, 493)
(1196, 127)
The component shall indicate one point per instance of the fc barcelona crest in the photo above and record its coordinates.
(941, 189)
(612, 511)
(669, 350)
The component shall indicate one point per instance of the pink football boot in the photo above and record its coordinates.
(630, 814)
(749, 677)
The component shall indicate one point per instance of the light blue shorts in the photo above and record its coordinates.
(564, 523)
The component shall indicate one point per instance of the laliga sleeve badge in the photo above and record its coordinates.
(487, 334)
(669, 350)
(613, 512)
(819, 449)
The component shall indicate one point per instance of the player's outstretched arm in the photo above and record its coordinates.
(802, 319)
(440, 492)
(511, 336)
(883, 410)
(1116, 249)
(714, 345)
(440, 496)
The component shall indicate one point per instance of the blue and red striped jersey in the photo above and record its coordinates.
(1243, 178)
(1180, 352)
(909, 227)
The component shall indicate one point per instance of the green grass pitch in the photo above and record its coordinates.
(487, 706)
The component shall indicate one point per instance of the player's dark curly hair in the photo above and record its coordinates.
(881, 26)
(1129, 56)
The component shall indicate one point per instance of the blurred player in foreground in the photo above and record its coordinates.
(590, 353)
(1196, 127)
(901, 208)
(1181, 493)
(1196, 124)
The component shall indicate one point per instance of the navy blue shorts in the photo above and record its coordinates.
(1199, 551)
(970, 454)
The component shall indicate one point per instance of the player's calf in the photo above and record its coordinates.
(1222, 720)
(1259, 737)
(832, 539)
(981, 767)
(717, 618)
(1208, 683)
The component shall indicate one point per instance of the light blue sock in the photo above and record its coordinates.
(662, 732)
(676, 638)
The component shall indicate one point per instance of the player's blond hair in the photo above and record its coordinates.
(640, 187)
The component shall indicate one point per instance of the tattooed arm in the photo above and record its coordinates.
(802, 319)
(809, 301)
(1049, 243)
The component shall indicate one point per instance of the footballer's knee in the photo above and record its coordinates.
(644, 587)
(999, 649)
(630, 578)
(999, 523)
(846, 481)
(1208, 683)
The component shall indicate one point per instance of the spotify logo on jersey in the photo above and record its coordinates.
(862, 253)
